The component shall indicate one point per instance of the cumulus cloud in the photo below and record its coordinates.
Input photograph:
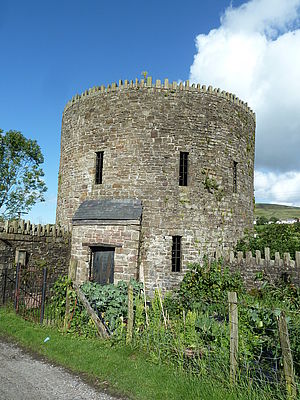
(255, 53)
(282, 188)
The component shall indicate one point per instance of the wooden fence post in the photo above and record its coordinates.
(233, 325)
(130, 315)
(287, 357)
(67, 313)
(162, 308)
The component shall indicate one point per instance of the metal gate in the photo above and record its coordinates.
(30, 290)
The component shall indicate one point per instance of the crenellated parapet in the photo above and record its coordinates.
(23, 227)
(165, 85)
(274, 269)
(263, 261)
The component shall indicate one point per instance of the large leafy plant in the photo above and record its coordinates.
(110, 301)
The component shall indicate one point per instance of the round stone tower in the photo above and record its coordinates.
(156, 175)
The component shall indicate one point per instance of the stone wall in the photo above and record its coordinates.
(123, 236)
(275, 269)
(45, 245)
(249, 267)
(142, 128)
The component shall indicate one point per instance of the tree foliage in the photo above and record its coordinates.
(284, 238)
(21, 176)
(262, 220)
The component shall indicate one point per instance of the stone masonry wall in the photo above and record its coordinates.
(45, 245)
(276, 269)
(142, 128)
(123, 237)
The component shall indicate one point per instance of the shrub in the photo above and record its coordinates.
(283, 238)
(207, 283)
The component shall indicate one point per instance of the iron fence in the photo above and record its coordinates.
(30, 291)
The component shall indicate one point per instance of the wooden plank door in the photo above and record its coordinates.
(103, 265)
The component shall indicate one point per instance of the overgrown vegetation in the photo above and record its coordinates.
(110, 301)
(121, 370)
(78, 322)
(189, 330)
(283, 238)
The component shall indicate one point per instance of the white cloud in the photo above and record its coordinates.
(264, 16)
(282, 188)
(255, 53)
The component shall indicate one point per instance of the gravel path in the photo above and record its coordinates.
(23, 377)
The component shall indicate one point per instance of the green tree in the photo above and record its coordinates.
(21, 177)
(284, 238)
(262, 220)
(274, 220)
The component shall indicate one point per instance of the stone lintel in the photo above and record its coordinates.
(107, 222)
(91, 244)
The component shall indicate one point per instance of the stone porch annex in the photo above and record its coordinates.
(103, 229)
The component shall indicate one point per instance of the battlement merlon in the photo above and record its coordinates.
(159, 85)
(27, 228)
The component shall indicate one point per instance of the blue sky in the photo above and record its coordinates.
(53, 50)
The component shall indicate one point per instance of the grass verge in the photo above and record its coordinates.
(121, 370)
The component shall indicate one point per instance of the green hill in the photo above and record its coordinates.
(276, 210)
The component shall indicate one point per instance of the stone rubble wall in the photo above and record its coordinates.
(45, 245)
(249, 267)
(275, 269)
(50, 245)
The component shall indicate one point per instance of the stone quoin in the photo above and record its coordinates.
(153, 176)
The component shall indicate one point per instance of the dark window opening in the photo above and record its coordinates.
(21, 257)
(99, 167)
(234, 177)
(102, 265)
(183, 169)
(176, 254)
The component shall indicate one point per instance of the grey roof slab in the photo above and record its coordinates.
(115, 209)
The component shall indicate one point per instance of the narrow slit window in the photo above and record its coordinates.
(234, 177)
(99, 167)
(183, 169)
(176, 253)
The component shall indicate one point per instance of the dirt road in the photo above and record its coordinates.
(24, 378)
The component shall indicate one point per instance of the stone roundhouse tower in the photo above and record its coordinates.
(153, 175)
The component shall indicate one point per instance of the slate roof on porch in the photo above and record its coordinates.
(116, 209)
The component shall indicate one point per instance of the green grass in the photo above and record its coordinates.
(121, 370)
(276, 210)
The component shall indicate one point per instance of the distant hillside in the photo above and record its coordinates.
(276, 210)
